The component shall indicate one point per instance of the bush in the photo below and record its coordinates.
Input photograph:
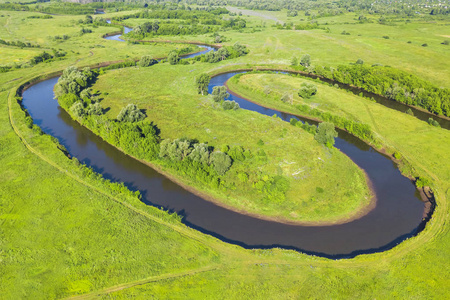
(305, 60)
(325, 134)
(147, 61)
(433, 122)
(173, 58)
(409, 112)
(228, 105)
(307, 90)
(359, 61)
(130, 113)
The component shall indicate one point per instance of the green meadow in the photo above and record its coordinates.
(65, 232)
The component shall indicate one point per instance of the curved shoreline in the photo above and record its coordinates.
(298, 245)
(381, 151)
(361, 211)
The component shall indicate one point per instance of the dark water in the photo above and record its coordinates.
(397, 216)
(117, 37)
(421, 115)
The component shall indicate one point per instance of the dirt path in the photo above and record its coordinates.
(144, 281)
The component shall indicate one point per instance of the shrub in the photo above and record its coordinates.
(307, 90)
(173, 58)
(305, 60)
(130, 113)
(147, 61)
(359, 61)
(433, 122)
(409, 112)
(228, 105)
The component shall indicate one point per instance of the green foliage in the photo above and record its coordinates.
(130, 113)
(307, 90)
(422, 182)
(219, 93)
(147, 61)
(230, 105)
(325, 134)
(294, 61)
(433, 122)
(77, 109)
(221, 162)
(67, 100)
(396, 85)
(359, 61)
(202, 83)
(260, 142)
(95, 109)
(305, 60)
(173, 58)
(409, 112)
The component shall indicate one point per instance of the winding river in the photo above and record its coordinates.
(398, 213)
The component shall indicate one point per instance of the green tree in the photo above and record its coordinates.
(220, 93)
(202, 83)
(221, 162)
(130, 113)
(307, 90)
(305, 60)
(77, 109)
(325, 134)
(173, 58)
(294, 61)
(147, 61)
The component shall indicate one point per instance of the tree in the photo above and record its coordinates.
(307, 90)
(95, 109)
(220, 93)
(147, 61)
(325, 134)
(223, 53)
(77, 109)
(305, 60)
(359, 61)
(294, 61)
(221, 162)
(130, 113)
(173, 58)
(202, 83)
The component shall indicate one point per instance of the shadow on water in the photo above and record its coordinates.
(397, 215)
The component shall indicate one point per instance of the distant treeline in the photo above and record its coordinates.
(42, 57)
(191, 22)
(396, 85)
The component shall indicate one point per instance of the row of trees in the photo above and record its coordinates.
(396, 85)
(19, 44)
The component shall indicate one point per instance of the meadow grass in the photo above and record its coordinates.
(62, 234)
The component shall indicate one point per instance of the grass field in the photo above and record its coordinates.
(64, 234)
